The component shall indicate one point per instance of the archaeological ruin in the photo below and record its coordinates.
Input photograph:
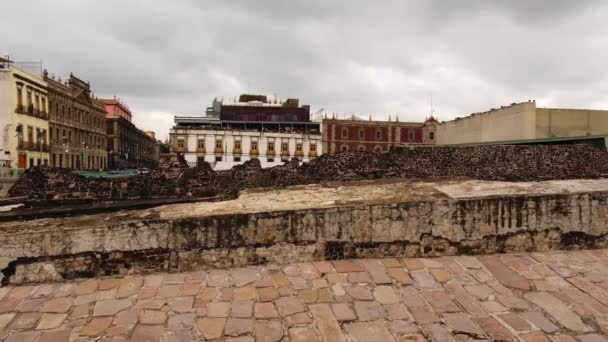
(409, 202)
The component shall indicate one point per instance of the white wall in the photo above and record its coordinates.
(246, 137)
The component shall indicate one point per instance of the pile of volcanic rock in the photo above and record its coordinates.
(500, 163)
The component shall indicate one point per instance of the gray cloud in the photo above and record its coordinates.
(173, 57)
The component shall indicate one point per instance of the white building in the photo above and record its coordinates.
(224, 147)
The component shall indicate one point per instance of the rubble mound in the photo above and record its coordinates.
(498, 163)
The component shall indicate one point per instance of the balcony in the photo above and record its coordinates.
(312, 154)
(180, 149)
(200, 150)
(285, 153)
(236, 151)
(299, 153)
(32, 146)
(254, 152)
(218, 150)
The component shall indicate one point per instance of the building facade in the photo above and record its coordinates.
(77, 125)
(224, 148)
(252, 128)
(357, 135)
(24, 117)
(128, 147)
(254, 108)
(521, 122)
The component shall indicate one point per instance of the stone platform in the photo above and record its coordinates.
(534, 297)
(312, 223)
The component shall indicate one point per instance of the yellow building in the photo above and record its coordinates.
(24, 118)
(522, 122)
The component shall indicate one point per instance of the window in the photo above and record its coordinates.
(218, 158)
(313, 147)
(299, 147)
(284, 147)
(254, 145)
(431, 135)
(344, 132)
(271, 147)
(378, 134)
(200, 143)
(361, 133)
(237, 145)
(19, 96)
(180, 143)
(237, 159)
(361, 148)
(378, 149)
(218, 144)
(410, 135)
(344, 148)
(200, 161)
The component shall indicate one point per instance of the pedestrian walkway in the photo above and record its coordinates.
(557, 296)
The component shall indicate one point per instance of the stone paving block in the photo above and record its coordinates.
(558, 310)
(440, 301)
(494, 329)
(534, 336)
(343, 312)
(515, 321)
(268, 331)
(462, 323)
(385, 295)
(96, 326)
(55, 336)
(326, 323)
(368, 331)
(377, 271)
(210, 327)
(288, 306)
(540, 321)
(400, 275)
(504, 274)
(302, 334)
(438, 333)
(50, 321)
(369, 311)
(238, 326)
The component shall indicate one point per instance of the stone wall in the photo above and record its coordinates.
(504, 163)
(435, 224)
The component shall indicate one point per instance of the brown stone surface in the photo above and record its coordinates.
(473, 304)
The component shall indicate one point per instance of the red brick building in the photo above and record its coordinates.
(369, 136)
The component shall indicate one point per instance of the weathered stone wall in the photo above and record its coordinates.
(433, 225)
(505, 163)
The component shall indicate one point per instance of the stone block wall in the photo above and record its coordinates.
(144, 242)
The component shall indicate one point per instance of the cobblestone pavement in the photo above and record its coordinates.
(558, 296)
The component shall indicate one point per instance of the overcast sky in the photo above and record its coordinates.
(365, 57)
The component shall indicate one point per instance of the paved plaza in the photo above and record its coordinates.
(556, 296)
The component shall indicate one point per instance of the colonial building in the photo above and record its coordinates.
(128, 147)
(77, 125)
(273, 133)
(23, 117)
(354, 134)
